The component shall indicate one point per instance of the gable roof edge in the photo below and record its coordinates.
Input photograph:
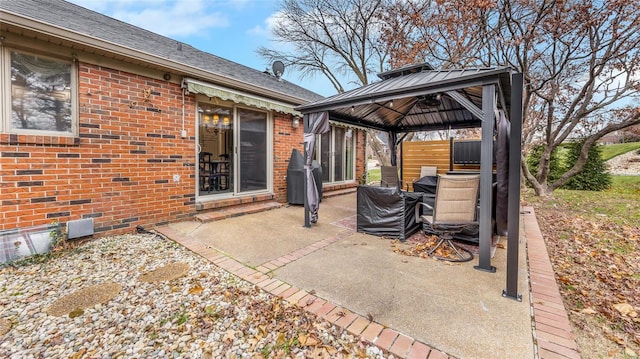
(21, 21)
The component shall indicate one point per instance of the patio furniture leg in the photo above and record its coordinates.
(463, 254)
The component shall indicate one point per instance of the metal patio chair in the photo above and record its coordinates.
(455, 207)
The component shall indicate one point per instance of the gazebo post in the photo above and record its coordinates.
(307, 220)
(486, 177)
(513, 219)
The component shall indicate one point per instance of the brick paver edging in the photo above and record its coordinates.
(384, 338)
(552, 332)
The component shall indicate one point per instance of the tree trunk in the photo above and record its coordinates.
(378, 148)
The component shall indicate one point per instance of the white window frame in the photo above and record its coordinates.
(6, 99)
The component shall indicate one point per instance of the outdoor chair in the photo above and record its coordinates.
(389, 177)
(428, 171)
(454, 209)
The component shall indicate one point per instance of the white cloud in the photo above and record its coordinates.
(166, 17)
(258, 31)
(265, 29)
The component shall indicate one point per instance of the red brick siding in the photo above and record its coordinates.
(361, 160)
(120, 169)
(285, 139)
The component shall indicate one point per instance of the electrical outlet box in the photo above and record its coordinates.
(183, 133)
(176, 178)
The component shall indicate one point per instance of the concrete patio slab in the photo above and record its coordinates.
(261, 237)
(454, 308)
(449, 309)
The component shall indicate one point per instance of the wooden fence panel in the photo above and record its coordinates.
(427, 153)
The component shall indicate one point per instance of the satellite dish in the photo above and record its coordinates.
(278, 68)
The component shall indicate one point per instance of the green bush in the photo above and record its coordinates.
(594, 175)
(533, 161)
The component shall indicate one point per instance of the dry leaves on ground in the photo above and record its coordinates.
(419, 245)
(597, 266)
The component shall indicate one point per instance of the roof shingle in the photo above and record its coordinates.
(83, 21)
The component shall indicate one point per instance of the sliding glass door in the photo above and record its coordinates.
(252, 150)
(234, 148)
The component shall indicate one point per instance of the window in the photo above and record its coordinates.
(41, 92)
(336, 151)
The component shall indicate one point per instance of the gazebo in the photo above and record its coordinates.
(420, 98)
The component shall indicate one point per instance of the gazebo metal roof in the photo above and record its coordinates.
(427, 100)
(420, 98)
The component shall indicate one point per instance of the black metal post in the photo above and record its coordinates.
(451, 154)
(513, 215)
(307, 219)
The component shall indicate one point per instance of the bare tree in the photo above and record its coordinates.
(337, 39)
(334, 38)
(579, 58)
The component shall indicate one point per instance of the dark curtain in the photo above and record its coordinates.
(502, 173)
(315, 124)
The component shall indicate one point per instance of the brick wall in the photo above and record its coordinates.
(120, 168)
(119, 171)
(285, 139)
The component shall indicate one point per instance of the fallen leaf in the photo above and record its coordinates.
(79, 354)
(262, 329)
(196, 289)
(229, 335)
(306, 340)
(616, 338)
(624, 308)
(588, 311)
(252, 343)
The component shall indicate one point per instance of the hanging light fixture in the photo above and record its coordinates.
(206, 119)
(225, 120)
(216, 119)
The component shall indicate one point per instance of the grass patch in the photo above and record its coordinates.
(621, 202)
(611, 151)
(607, 151)
(373, 175)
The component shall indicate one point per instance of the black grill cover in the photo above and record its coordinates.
(295, 178)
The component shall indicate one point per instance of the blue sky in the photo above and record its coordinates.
(232, 29)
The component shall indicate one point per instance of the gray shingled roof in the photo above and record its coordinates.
(75, 18)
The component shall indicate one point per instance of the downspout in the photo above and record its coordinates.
(183, 132)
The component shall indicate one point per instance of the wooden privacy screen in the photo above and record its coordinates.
(427, 153)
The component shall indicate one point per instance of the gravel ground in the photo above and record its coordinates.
(204, 313)
(627, 164)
